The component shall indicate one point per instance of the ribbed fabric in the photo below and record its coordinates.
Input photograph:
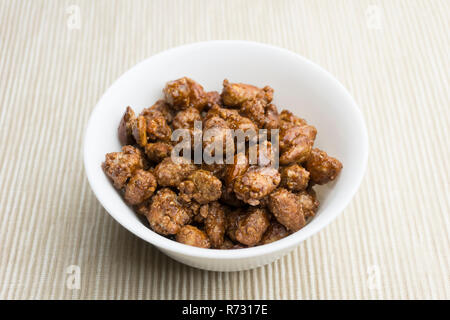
(391, 242)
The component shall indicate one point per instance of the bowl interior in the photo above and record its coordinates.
(300, 86)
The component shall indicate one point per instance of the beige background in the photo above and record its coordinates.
(391, 242)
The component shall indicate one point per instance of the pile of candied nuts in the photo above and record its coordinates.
(221, 206)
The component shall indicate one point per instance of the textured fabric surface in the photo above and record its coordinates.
(58, 57)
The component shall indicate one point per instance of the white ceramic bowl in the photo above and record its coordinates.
(300, 86)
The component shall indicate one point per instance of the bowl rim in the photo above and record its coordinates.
(231, 254)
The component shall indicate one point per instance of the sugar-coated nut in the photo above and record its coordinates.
(296, 138)
(294, 177)
(140, 187)
(322, 167)
(296, 143)
(227, 244)
(235, 94)
(120, 166)
(232, 224)
(229, 198)
(255, 111)
(170, 173)
(276, 231)
(213, 98)
(193, 236)
(288, 119)
(238, 168)
(256, 183)
(308, 202)
(202, 186)
(143, 208)
(265, 116)
(125, 130)
(233, 119)
(217, 169)
(265, 154)
(194, 210)
(215, 223)
(216, 132)
(157, 151)
(163, 107)
(184, 93)
(166, 215)
(157, 127)
(287, 209)
(185, 119)
(251, 227)
(272, 117)
(139, 131)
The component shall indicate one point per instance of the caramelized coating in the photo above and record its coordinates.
(193, 236)
(295, 134)
(139, 131)
(157, 151)
(235, 94)
(233, 119)
(157, 127)
(185, 119)
(141, 186)
(255, 111)
(294, 177)
(213, 120)
(213, 98)
(308, 202)
(272, 117)
(184, 93)
(264, 155)
(150, 125)
(287, 209)
(298, 152)
(143, 208)
(256, 183)
(238, 168)
(166, 215)
(120, 166)
(252, 227)
(248, 227)
(227, 244)
(265, 116)
(233, 219)
(217, 169)
(216, 130)
(276, 231)
(163, 107)
(125, 130)
(288, 119)
(296, 141)
(202, 186)
(322, 167)
(169, 173)
(228, 197)
(195, 211)
(215, 223)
